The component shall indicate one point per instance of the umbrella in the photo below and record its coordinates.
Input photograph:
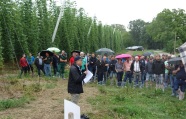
(43, 53)
(147, 53)
(104, 51)
(53, 49)
(182, 50)
(123, 56)
(175, 60)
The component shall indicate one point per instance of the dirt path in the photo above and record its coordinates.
(49, 104)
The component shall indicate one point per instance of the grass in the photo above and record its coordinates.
(126, 103)
(11, 103)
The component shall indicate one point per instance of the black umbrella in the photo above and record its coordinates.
(147, 53)
(175, 60)
(43, 53)
(103, 51)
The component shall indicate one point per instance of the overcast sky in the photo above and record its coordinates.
(123, 11)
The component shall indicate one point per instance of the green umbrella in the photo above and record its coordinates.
(54, 49)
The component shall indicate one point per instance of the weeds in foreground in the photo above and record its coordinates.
(126, 103)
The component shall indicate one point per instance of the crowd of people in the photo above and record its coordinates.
(139, 71)
(135, 71)
(44, 64)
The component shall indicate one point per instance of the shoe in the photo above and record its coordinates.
(84, 117)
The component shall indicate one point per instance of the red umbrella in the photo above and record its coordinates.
(123, 56)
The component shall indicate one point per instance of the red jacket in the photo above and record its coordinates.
(71, 60)
(23, 62)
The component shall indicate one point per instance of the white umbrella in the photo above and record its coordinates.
(54, 49)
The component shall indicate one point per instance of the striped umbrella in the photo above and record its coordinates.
(182, 50)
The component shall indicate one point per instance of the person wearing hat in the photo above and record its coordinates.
(75, 85)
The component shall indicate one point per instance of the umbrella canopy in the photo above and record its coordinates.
(175, 60)
(182, 50)
(54, 49)
(147, 53)
(123, 56)
(103, 51)
(43, 53)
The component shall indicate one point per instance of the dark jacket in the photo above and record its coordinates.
(112, 65)
(55, 61)
(93, 61)
(142, 64)
(132, 66)
(158, 67)
(75, 80)
(100, 66)
(148, 68)
(181, 74)
(36, 62)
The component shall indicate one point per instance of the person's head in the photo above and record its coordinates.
(82, 54)
(128, 59)
(104, 58)
(150, 60)
(158, 57)
(63, 52)
(119, 60)
(30, 54)
(99, 57)
(112, 58)
(181, 63)
(142, 57)
(93, 55)
(47, 54)
(78, 61)
(24, 55)
(136, 58)
(54, 52)
(74, 54)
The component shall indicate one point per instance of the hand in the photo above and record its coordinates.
(178, 69)
(85, 72)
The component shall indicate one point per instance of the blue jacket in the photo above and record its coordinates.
(30, 60)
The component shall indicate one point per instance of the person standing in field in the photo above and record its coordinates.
(119, 70)
(180, 84)
(92, 64)
(158, 68)
(30, 60)
(143, 73)
(148, 69)
(128, 73)
(62, 64)
(47, 64)
(105, 74)
(72, 58)
(75, 82)
(112, 69)
(39, 64)
(55, 63)
(166, 76)
(84, 62)
(100, 69)
(24, 65)
(136, 69)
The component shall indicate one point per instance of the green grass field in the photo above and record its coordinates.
(130, 103)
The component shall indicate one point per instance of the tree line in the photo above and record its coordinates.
(27, 26)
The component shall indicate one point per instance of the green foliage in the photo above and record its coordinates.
(50, 85)
(136, 103)
(10, 103)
